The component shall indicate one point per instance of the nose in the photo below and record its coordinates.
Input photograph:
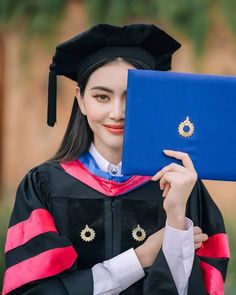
(118, 110)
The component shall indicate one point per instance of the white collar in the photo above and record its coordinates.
(103, 164)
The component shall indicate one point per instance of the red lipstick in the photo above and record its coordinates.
(115, 129)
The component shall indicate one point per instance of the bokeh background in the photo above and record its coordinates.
(29, 31)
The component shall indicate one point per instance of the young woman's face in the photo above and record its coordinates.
(103, 103)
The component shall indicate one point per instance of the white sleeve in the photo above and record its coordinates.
(178, 248)
(116, 274)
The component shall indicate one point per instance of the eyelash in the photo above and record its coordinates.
(99, 97)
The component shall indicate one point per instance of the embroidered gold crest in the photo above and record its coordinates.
(87, 234)
(186, 128)
(138, 233)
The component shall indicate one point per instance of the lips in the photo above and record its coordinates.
(115, 129)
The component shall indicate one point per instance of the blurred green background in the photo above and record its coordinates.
(29, 31)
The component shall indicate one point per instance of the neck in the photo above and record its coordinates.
(112, 156)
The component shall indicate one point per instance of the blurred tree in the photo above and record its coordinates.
(189, 17)
(39, 17)
(228, 8)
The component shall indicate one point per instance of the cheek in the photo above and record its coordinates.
(95, 114)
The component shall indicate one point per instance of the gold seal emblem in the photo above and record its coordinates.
(138, 233)
(186, 128)
(87, 234)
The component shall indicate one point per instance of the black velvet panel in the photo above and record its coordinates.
(142, 212)
(80, 213)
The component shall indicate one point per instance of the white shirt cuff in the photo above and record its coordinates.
(117, 274)
(178, 248)
(179, 242)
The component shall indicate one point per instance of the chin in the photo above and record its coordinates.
(116, 145)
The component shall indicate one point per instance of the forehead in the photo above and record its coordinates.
(114, 73)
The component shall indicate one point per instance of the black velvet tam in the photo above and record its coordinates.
(143, 42)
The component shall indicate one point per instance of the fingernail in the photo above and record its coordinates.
(167, 151)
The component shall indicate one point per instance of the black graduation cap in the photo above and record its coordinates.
(143, 42)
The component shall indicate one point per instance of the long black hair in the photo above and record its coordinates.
(79, 136)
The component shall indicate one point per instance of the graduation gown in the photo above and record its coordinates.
(45, 252)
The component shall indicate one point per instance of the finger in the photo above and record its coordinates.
(184, 157)
(163, 183)
(197, 245)
(204, 237)
(166, 190)
(173, 167)
(200, 238)
(197, 230)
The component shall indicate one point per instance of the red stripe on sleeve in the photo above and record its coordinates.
(217, 246)
(46, 264)
(213, 280)
(39, 222)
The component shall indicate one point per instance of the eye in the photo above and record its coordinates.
(101, 97)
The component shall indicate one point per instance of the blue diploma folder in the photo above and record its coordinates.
(193, 113)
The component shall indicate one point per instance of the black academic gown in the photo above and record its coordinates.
(45, 253)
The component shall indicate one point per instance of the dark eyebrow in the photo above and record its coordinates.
(102, 88)
(105, 89)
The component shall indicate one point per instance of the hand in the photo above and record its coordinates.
(199, 237)
(177, 182)
(148, 251)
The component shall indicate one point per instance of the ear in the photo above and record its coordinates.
(80, 100)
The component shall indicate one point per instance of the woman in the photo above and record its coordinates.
(79, 226)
